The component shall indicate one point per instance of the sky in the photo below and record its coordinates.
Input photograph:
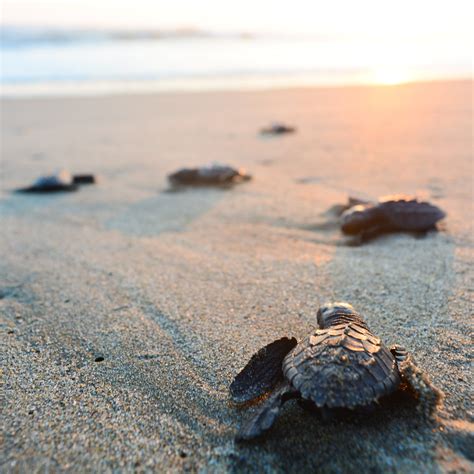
(368, 18)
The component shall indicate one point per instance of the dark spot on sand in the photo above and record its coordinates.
(309, 180)
(147, 356)
(99, 358)
(11, 331)
(182, 454)
(31, 412)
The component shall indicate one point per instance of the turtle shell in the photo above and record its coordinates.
(394, 213)
(214, 175)
(410, 214)
(343, 366)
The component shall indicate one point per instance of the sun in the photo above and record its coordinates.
(389, 76)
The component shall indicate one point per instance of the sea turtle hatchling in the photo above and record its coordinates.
(341, 365)
(277, 128)
(60, 182)
(213, 175)
(367, 220)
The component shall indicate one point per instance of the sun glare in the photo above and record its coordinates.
(389, 77)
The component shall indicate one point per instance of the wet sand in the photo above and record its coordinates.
(175, 291)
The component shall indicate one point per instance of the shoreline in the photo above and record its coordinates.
(84, 89)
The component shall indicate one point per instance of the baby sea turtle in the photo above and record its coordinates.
(277, 129)
(391, 214)
(341, 365)
(60, 182)
(63, 181)
(214, 175)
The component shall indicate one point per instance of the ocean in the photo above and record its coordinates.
(42, 61)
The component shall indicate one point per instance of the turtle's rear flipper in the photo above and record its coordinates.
(267, 413)
(262, 372)
(421, 234)
(430, 397)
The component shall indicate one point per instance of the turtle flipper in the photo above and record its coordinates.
(373, 233)
(367, 235)
(267, 413)
(430, 397)
(263, 371)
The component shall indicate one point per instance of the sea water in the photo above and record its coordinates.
(55, 62)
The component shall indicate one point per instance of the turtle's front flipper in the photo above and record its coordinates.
(430, 397)
(267, 413)
(373, 233)
(262, 372)
(367, 235)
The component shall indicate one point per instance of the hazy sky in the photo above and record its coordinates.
(349, 17)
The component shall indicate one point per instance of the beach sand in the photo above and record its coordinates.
(177, 290)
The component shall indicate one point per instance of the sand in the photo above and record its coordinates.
(175, 291)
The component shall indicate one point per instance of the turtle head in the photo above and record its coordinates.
(336, 313)
(357, 218)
